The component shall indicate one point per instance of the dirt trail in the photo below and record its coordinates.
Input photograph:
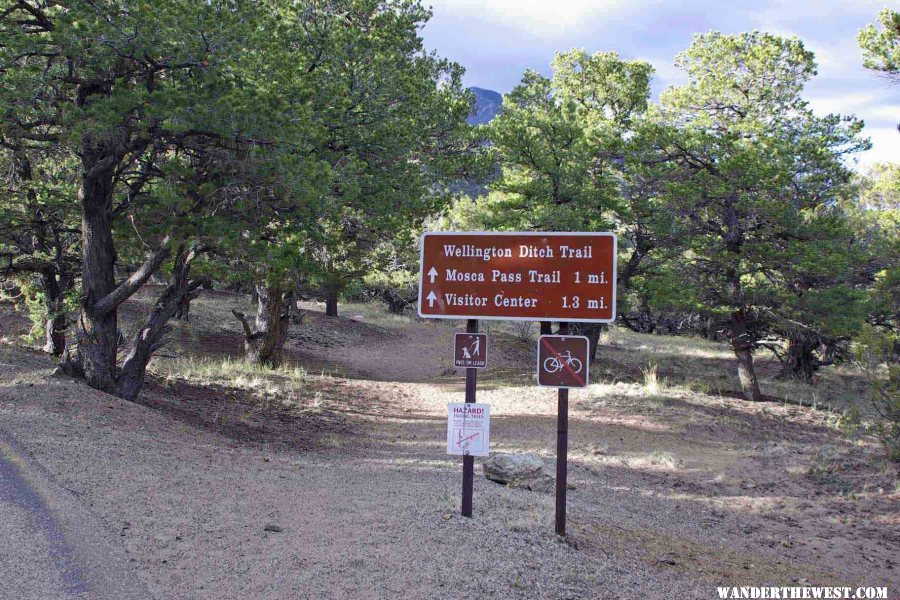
(411, 354)
(672, 496)
(50, 545)
(692, 473)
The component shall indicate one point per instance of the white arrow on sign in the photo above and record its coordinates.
(431, 298)
(432, 274)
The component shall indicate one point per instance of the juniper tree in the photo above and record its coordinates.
(39, 233)
(748, 173)
(560, 142)
(125, 87)
(395, 117)
(881, 46)
(391, 128)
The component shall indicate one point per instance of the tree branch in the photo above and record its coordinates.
(243, 319)
(128, 287)
(26, 264)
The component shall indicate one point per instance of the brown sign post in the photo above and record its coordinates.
(468, 459)
(523, 276)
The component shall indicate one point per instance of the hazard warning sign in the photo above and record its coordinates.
(468, 428)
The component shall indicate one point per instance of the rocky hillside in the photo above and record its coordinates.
(487, 105)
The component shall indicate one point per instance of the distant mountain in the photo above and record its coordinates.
(487, 105)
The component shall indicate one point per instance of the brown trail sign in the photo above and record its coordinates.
(563, 361)
(523, 276)
(470, 350)
(519, 276)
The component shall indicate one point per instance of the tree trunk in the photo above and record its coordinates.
(55, 324)
(52, 279)
(395, 305)
(709, 329)
(742, 344)
(546, 328)
(55, 338)
(184, 306)
(265, 345)
(331, 302)
(592, 332)
(149, 337)
(747, 375)
(800, 363)
(97, 330)
(183, 313)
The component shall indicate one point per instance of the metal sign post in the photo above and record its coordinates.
(562, 450)
(469, 460)
(563, 362)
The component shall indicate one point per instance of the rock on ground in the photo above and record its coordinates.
(526, 471)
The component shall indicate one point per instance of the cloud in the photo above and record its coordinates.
(496, 40)
(889, 113)
(885, 146)
(844, 104)
(539, 18)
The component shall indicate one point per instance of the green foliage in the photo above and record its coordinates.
(878, 189)
(32, 300)
(556, 140)
(874, 213)
(39, 226)
(170, 98)
(398, 288)
(881, 47)
(492, 212)
(387, 126)
(875, 352)
(752, 180)
(396, 279)
(36, 305)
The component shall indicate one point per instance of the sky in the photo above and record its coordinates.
(496, 40)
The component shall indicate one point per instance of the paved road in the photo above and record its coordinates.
(51, 546)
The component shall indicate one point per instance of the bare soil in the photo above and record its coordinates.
(674, 492)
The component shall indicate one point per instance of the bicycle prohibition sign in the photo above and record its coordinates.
(563, 361)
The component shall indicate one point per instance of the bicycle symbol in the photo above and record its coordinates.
(554, 364)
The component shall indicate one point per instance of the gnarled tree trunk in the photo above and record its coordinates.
(264, 344)
(742, 343)
(97, 329)
(149, 338)
(800, 362)
(55, 324)
(183, 313)
(331, 301)
(97, 333)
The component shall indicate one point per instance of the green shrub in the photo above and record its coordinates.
(874, 353)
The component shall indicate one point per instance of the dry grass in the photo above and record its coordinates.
(284, 385)
(373, 313)
(667, 363)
